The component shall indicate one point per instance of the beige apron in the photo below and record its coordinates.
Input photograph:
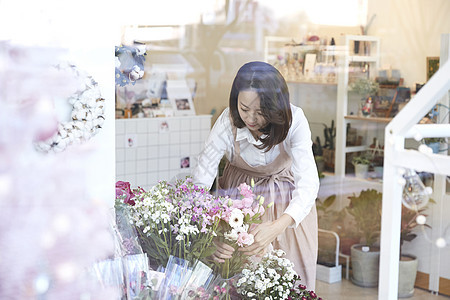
(275, 182)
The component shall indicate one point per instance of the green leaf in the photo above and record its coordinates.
(329, 201)
(209, 251)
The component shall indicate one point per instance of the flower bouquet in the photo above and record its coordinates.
(272, 277)
(175, 219)
(239, 216)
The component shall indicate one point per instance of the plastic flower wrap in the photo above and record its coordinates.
(272, 277)
(239, 216)
(175, 219)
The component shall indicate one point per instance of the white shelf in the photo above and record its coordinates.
(342, 117)
(355, 148)
(362, 58)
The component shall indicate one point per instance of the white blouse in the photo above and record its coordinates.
(298, 145)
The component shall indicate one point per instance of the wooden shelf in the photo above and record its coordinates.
(369, 119)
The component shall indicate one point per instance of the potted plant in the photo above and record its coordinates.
(376, 154)
(408, 263)
(366, 211)
(366, 88)
(434, 143)
(361, 163)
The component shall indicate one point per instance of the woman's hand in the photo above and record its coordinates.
(223, 251)
(265, 233)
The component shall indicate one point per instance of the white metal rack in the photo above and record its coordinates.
(342, 118)
(405, 125)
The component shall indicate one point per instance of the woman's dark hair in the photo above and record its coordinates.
(269, 84)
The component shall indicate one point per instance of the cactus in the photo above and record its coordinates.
(330, 134)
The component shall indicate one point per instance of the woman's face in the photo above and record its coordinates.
(250, 111)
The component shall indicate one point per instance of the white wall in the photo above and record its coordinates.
(410, 30)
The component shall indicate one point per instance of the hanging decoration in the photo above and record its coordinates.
(415, 194)
(87, 116)
(129, 64)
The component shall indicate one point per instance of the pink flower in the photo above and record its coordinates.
(247, 202)
(245, 238)
(238, 204)
(123, 185)
(226, 215)
(248, 211)
(245, 190)
(259, 209)
(124, 188)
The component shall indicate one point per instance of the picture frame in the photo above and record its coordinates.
(182, 106)
(432, 66)
(180, 98)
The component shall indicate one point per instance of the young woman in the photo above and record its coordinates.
(266, 138)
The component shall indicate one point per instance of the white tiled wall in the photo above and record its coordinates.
(147, 152)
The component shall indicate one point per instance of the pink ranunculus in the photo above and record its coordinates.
(245, 238)
(248, 211)
(247, 202)
(259, 209)
(238, 204)
(245, 190)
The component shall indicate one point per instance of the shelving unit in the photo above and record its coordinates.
(371, 56)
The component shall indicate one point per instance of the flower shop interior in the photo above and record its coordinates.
(372, 78)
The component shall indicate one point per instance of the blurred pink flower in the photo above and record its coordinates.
(238, 204)
(248, 211)
(124, 188)
(247, 202)
(246, 190)
(245, 238)
(259, 209)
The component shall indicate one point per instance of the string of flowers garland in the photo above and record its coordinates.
(87, 116)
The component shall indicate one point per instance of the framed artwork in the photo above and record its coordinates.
(180, 97)
(432, 66)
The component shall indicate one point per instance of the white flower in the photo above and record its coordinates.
(236, 218)
(232, 235)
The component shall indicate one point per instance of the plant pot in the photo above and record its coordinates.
(407, 275)
(378, 171)
(435, 147)
(320, 163)
(365, 266)
(361, 171)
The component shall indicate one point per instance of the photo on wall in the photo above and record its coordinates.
(185, 162)
(180, 97)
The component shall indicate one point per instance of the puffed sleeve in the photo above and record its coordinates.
(219, 140)
(304, 168)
